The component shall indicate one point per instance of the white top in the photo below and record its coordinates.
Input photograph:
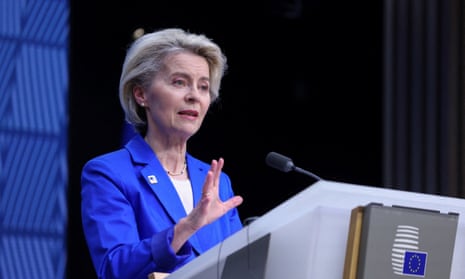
(184, 189)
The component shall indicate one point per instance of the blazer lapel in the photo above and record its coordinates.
(163, 188)
(197, 175)
(156, 177)
(160, 183)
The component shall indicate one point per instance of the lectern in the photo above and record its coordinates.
(307, 236)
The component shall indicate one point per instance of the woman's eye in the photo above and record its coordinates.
(179, 82)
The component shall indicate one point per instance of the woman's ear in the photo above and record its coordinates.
(139, 95)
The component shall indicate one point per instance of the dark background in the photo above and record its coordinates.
(304, 80)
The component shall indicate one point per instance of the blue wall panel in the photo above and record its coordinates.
(33, 138)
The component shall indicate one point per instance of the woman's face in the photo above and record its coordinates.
(179, 96)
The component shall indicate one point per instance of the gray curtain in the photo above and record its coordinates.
(424, 98)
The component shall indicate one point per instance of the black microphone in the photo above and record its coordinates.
(285, 164)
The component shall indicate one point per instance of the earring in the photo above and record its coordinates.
(143, 104)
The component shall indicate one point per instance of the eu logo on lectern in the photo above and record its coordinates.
(414, 263)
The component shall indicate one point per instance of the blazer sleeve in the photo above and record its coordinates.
(111, 230)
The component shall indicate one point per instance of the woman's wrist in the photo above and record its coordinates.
(182, 232)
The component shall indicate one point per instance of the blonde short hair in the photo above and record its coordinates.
(145, 58)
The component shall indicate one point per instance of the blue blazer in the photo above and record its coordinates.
(129, 207)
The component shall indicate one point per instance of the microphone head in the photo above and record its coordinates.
(279, 162)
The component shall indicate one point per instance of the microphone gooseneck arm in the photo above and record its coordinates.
(306, 172)
(285, 164)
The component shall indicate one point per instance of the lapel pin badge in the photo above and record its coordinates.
(152, 179)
